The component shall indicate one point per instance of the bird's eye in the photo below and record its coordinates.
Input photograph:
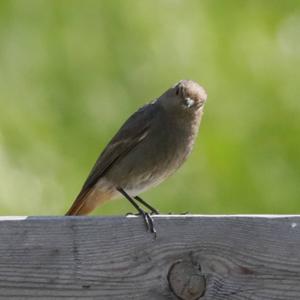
(177, 90)
(188, 102)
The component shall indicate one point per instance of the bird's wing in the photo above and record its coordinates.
(134, 130)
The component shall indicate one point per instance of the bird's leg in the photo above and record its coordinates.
(147, 218)
(153, 211)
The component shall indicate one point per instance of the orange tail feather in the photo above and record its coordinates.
(87, 201)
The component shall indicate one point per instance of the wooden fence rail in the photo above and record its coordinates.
(193, 257)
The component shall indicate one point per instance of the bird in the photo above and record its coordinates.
(148, 148)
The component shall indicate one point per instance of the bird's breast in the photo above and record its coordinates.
(154, 159)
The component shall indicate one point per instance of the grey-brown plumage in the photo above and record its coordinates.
(150, 146)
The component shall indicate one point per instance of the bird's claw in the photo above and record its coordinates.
(149, 223)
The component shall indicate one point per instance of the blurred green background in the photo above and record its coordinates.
(71, 72)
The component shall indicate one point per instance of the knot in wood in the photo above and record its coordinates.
(186, 280)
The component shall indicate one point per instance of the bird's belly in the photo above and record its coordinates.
(142, 183)
(139, 179)
(148, 164)
(132, 185)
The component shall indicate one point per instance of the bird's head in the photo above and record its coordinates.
(186, 96)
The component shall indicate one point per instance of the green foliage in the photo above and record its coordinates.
(72, 71)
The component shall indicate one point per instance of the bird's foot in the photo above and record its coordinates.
(146, 216)
(149, 223)
(147, 219)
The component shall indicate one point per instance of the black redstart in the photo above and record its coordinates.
(150, 146)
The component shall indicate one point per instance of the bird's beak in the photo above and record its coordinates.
(189, 102)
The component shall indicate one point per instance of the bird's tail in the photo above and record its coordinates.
(86, 201)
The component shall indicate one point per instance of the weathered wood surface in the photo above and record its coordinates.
(235, 257)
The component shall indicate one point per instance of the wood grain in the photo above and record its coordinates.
(240, 257)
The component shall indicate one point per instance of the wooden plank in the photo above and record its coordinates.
(235, 257)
